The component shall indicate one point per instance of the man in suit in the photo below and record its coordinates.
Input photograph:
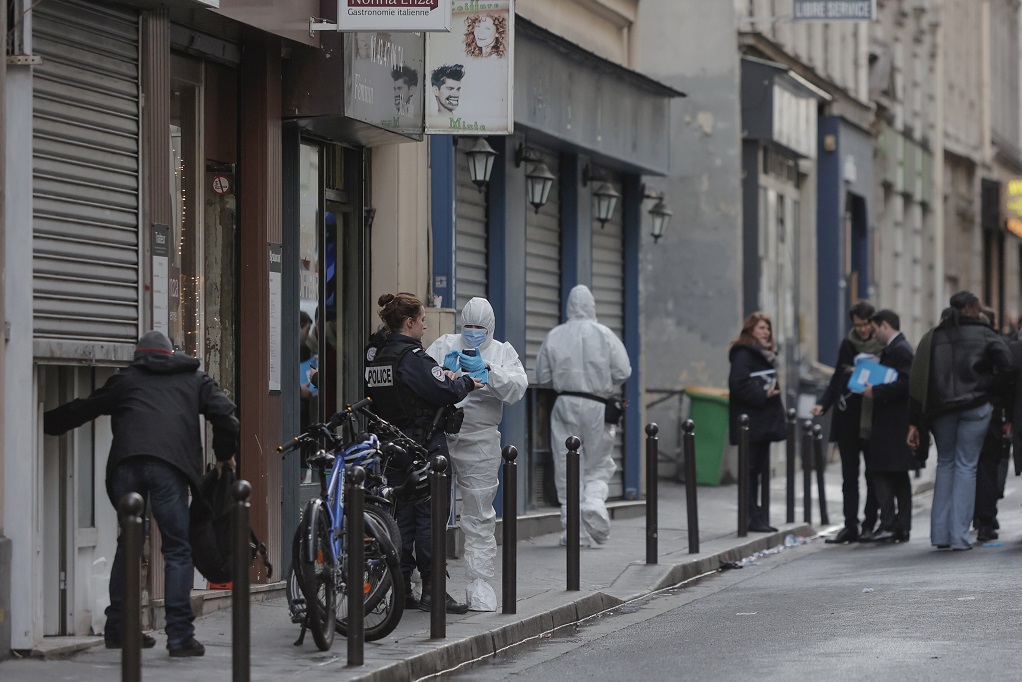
(890, 456)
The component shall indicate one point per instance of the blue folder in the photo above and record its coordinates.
(870, 372)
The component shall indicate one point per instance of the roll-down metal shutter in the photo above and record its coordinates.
(469, 239)
(608, 289)
(542, 271)
(85, 172)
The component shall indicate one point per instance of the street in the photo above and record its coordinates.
(815, 611)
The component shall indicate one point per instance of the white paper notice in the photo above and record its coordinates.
(161, 262)
(275, 316)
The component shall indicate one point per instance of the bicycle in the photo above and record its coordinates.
(317, 588)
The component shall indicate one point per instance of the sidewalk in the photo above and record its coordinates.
(610, 575)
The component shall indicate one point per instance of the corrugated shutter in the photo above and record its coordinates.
(470, 238)
(608, 289)
(85, 171)
(542, 271)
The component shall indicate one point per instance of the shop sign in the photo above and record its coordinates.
(1013, 206)
(471, 70)
(394, 15)
(834, 10)
(161, 278)
(275, 326)
(384, 80)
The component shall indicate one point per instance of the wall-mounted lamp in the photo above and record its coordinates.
(660, 212)
(604, 195)
(480, 162)
(538, 178)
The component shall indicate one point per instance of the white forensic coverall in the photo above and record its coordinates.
(585, 356)
(475, 450)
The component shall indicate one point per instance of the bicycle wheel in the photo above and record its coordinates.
(383, 584)
(318, 575)
(295, 596)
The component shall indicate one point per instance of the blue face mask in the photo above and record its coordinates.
(474, 337)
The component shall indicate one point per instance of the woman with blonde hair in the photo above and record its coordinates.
(755, 391)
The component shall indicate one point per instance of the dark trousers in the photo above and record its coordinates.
(989, 482)
(165, 488)
(414, 518)
(850, 449)
(759, 482)
(894, 495)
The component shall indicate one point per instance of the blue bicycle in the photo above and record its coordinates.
(317, 587)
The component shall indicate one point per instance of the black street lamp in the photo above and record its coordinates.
(480, 162)
(605, 197)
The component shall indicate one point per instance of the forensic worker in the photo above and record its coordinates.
(586, 364)
(407, 388)
(475, 450)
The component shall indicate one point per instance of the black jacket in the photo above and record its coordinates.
(968, 363)
(888, 446)
(844, 425)
(154, 405)
(748, 396)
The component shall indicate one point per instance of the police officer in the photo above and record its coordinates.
(408, 387)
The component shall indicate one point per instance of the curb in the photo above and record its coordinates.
(636, 581)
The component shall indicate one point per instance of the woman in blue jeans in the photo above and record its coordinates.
(958, 366)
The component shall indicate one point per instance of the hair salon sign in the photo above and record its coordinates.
(394, 15)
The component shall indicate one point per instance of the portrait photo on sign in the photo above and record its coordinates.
(469, 71)
(384, 80)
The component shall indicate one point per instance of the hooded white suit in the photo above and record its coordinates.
(585, 356)
(475, 450)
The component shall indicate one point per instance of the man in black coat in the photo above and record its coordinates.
(850, 427)
(154, 405)
(890, 456)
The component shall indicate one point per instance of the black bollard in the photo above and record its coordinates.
(819, 464)
(439, 512)
(573, 444)
(689, 450)
(131, 506)
(651, 492)
(743, 475)
(791, 445)
(354, 511)
(241, 624)
(509, 526)
(807, 471)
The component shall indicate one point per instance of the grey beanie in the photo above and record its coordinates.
(153, 342)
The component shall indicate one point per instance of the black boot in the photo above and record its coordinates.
(426, 600)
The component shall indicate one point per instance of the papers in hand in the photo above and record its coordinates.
(870, 372)
(767, 376)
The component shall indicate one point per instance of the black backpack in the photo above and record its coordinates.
(210, 529)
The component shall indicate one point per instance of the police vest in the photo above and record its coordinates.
(393, 400)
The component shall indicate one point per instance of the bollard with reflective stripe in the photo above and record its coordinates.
(131, 506)
(438, 610)
(807, 471)
(509, 527)
(573, 443)
(819, 464)
(743, 475)
(651, 492)
(790, 446)
(241, 624)
(689, 450)
(354, 512)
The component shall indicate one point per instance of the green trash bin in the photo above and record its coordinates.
(708, 409)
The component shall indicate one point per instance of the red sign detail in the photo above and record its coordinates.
(221, 185)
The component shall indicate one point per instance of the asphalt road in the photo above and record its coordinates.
(810, 612)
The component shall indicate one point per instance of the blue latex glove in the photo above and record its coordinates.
(472, 363)
(452, 360)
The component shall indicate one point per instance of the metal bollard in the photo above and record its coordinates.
(743, 475)
(241, 624)
(819, 464)
(509, 526)
(807, 471)
(791, 445)
(573, 444)
(689, 450)
(131, 506)
(651, 492)
(438, 483)
(354, 511)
